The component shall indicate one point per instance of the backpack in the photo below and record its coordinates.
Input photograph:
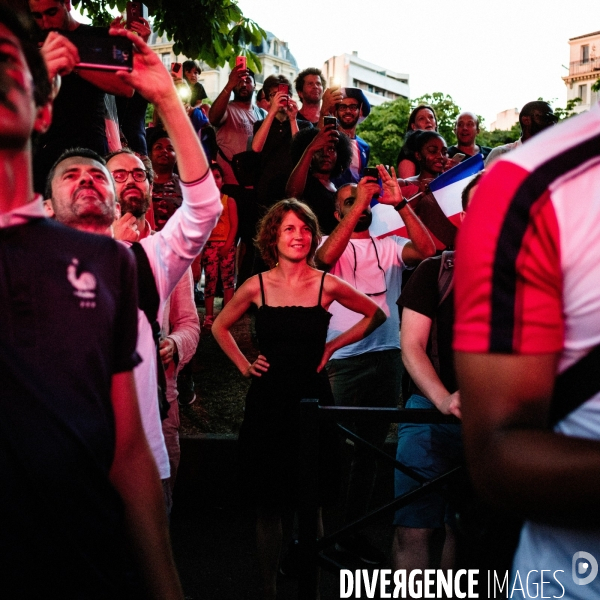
(148, 303)
(445, 285)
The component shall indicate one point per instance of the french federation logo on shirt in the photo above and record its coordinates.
(84, 285)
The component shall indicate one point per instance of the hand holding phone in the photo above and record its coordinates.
(284, 88)
(373, 172)
(240, 61)
(134, 12)
(330, 121)
(99, 50)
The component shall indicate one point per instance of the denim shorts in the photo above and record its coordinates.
(430, 450)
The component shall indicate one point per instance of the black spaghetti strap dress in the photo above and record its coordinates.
(292, 338)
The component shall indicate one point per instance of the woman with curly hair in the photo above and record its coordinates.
(291, 324)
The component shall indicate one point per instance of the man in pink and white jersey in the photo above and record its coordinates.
(527, 331)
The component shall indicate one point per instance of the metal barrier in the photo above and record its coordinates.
(310, 548)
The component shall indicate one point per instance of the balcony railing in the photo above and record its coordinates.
(580, 67)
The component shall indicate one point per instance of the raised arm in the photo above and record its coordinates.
(219, 106)
(61, 57)
(421, 245)
(233, 311)
(152, 80)
(172, 250)
(333, 247)
(297, 180)
(331, 97)
(261, 135)
(339, 291)
(414, 335)
(135, 477)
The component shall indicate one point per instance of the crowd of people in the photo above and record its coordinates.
(103, 242)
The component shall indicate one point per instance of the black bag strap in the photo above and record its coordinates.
(148, 303)
(227, 160)
(445, 285)
(446, 275)
(148, 298)
(575, 386)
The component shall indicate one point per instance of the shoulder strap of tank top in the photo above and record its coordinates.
(262, 288)
(321, 288)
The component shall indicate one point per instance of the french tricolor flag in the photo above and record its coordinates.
(446, 189)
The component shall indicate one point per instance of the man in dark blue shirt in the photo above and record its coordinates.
(80, 496)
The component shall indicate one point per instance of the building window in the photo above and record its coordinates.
(165, 58)
(276, 69)
(276, 49)
(583, 93)
(585, 53)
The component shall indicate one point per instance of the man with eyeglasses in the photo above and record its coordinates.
(368, 373)
(134, 177)
(353, 108)
(82, 195)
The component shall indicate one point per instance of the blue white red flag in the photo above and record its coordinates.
(446, 189)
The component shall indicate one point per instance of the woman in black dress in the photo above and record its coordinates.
(291, 324)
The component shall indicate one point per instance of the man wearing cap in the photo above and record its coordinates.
(353, 108)
(533, 118)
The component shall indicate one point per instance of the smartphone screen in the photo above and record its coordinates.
(98, 50)
(175, 67)
(241, 62)
(330, 121)
(373, 172)
(284, 88)
(134, 11)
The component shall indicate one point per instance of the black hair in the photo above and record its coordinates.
(22, 26)
(304, 137)
(188, 65)
(531, 107)
(272, 81)
(422, 137)
(153, 135)
(413, 142)
(299, 81)
(464, 197)
(217, 167)
(70, 153)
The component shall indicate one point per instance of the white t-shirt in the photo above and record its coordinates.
(358, 266)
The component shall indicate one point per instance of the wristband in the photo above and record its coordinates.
(401, 204)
